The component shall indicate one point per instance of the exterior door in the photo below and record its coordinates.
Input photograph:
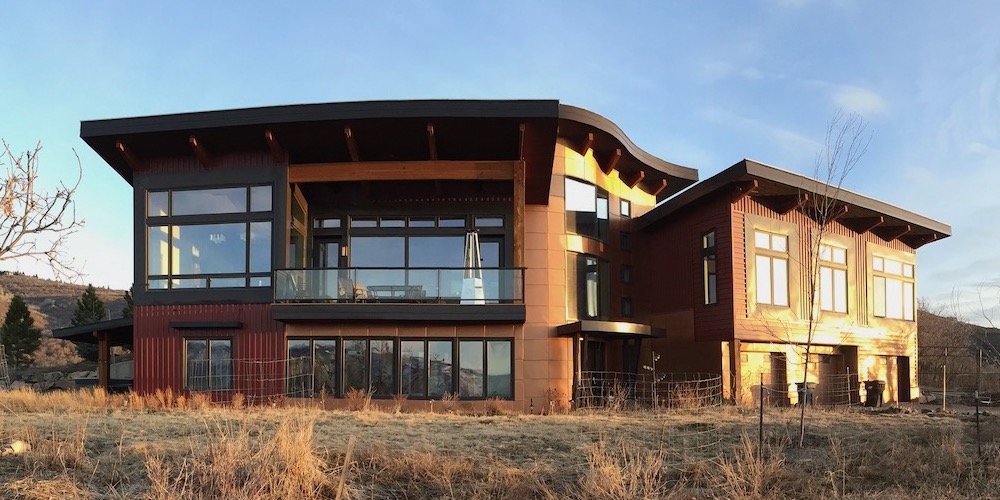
(903, 374)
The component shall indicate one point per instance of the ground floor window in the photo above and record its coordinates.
(208, 364)
(417, 368)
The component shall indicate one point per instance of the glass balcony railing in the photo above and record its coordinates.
(401, 285)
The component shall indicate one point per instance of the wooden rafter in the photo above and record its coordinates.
(862, 225)
(837, 213)
(352, 147)
(520, 141)
(127, 154)
(200, 152)
(787, 203)
(890, 233)
(609, 165)
(277, 153)
(432, 148)
(916, 241)
(659, 188)
(634, 179)
(587, 143)
(744, 189)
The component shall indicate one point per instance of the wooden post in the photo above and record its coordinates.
(519, 199)
(103, 360)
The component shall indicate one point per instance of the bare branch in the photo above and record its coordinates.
(34, 224)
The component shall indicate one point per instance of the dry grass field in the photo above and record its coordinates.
(93, 445)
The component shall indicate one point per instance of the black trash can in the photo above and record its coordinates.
(873, 392)
(805, 390)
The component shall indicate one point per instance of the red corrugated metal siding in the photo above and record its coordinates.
(187, 163)
(258, 345)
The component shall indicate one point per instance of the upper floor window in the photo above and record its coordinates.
(832, 278)
(586, 209)
(209, 238)
(626, 208)
(893, 288)
(771, 260)
(588, 287)
(709, 278)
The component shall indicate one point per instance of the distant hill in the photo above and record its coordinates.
(52, 302)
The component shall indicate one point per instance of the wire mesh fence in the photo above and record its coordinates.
(617, 390)
(829, 390)
(960, 374)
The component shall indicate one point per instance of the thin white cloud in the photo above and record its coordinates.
(865, 102)
(794, 143)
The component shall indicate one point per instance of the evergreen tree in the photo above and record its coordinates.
(18, 334)
(89, 308)
(127, 310)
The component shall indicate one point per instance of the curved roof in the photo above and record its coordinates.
(392, 131)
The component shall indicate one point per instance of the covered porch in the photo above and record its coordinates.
(105, 334)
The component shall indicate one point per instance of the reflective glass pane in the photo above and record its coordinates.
(763, 279)
(209, 249)
(499, 382)
(260, 281)
(779, 243)
(840, 290)
(602, 208)
(157, 250)
(197, 364)
(226, 282)
(893, 298)
(780, 282)
(451, 222)
(388, 222)
(190, 283)
(326, 223)
(877, 263)
(156, 204)
(708, 241)
(894, 267)
(439, 353)
(470, 359)
(369, 251)
(878, 296)
(626, 208)
(364, 222)
(840, 255)
(325, 366)
(412, 368)
(489, 221)
(299, 376)
(355, 365)
(580, 197)
(908, 270)
(260, 247)
(382, 367)
(422, 222)
(826, 288)
(222, 365)
(157, 284)
(761, 240)
(209, 201)
(825, 253)
(260, 199)
(908, 301)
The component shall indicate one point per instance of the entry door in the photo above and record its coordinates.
(903, 382)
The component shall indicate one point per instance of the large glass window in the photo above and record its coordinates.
(893, 283)
(832, 279)
(209, 249)
(209, 364)
(771, 261)
(588, 291)
(586, 209)
(709, 276)
(312, 367)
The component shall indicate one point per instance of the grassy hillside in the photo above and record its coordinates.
(52, 302)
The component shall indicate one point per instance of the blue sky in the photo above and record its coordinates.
(702, 84)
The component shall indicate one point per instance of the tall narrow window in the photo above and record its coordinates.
(893, 283)
(772, 268)
(709, 278)
(588, 287)
(586, 209)
(832, 279)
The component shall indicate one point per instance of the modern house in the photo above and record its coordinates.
(486, 249)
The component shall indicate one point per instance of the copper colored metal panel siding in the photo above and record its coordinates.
(258, 345)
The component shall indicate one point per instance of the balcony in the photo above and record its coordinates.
(399, 294)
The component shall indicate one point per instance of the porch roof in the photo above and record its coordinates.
(119, 332)
(417, 130)
(609, 329)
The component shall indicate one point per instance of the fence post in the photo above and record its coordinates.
(979, 389)
(760, 432)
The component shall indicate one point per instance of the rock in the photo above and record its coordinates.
(80, 374)
(17, 384)
(43, 386)
(53, 376)
(15, 447)
(64, 385)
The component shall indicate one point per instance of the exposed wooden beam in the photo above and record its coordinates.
(401, 170)
(519, 201)
(587, 143)
(352, 147)
(659, 188)
(277, 153)
(744, 189)
(836, 213)
(130, 158)
(520, 141)
(634, 179)
(200, 152)
(787, 203)
(890, 233)
(862, 225)
(609, 165)
(916, 241)
(432, 142)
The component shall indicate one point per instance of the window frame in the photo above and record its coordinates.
(709, 265)
(906, 280)
(208, 340)
(772, 256)
(601, 202)
(832, 266)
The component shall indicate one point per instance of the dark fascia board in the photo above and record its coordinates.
(608, 328)
(750, 169)
(120, 329)
(430, 313)
(683, 176)
(321, 112)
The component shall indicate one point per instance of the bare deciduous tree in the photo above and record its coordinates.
(34, 224)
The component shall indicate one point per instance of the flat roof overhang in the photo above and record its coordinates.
(386, 131)
(119, 332)
(609, 329)
(777, 187)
